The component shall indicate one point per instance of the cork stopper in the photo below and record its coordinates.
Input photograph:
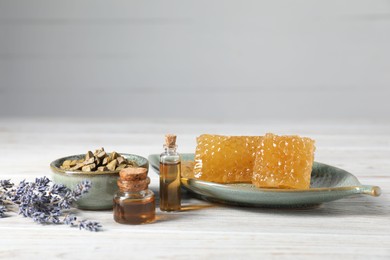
(133, 186)
(133, 179)
(133, 174)
(170, 140)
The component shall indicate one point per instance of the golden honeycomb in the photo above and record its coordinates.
(187, 169)
(225, 159)
(283, 162)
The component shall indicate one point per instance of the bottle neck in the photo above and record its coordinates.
(170, 149)
(132, 192)
(134, 195)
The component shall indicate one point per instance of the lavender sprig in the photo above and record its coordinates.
(3, 209)
(89, 225)
(5, 193)
(6, 184)
(45, 202)
(70, 220)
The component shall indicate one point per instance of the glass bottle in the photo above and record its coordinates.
(134, 203)
(170, 173)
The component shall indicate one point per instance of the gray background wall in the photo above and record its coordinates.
(214, 59)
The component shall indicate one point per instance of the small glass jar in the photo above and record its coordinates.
(134, 203)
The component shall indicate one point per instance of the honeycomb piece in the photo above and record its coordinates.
(225, 159)
(284, 162)
(187, 169)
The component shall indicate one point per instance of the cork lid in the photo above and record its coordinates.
(133, 174)
(170, 140)
(133, 179)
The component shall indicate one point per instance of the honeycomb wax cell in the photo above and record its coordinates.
(283, 162)
(225, 159)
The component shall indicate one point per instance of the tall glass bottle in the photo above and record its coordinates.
(170, 173)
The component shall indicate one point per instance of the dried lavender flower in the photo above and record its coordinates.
(85, 224)
(70, 220)
(81, 189)
(89, 225)
(5, 190)
(45, 202)
(6, 184)
(3, 209)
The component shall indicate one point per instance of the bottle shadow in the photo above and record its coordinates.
(163, 216)
(191, 204)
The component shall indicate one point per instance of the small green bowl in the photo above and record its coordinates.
(104, 186)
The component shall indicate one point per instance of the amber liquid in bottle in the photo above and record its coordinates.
(170, 193)
(128, 209)
(134, 202)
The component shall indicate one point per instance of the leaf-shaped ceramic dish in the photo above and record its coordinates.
(328, 183)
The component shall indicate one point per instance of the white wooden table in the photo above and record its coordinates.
(356, 227)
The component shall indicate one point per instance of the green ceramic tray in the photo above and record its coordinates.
(328, 183)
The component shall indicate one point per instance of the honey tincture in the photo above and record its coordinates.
(170, 173)
(134, 203)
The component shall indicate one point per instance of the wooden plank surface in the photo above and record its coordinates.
(351, 228)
